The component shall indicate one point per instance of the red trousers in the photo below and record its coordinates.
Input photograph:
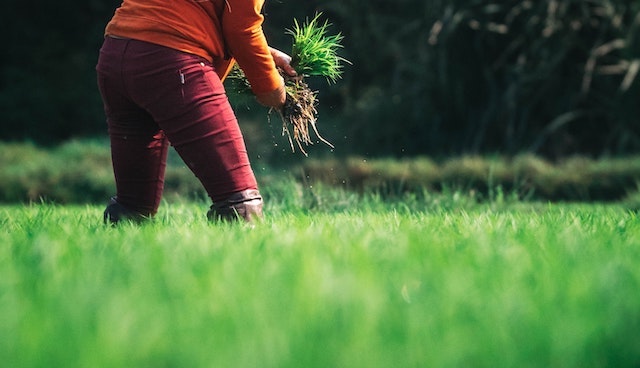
(155, 96)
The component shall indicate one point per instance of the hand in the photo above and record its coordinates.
(277, 98)
(283, 61)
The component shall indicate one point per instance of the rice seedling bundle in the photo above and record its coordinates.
(313, 54)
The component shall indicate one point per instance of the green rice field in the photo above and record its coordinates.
(365, 283)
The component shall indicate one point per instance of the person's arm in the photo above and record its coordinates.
(242, 28)
(277, 97)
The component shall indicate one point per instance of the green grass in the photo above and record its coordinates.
(365, 283)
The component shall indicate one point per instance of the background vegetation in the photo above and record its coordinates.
(31, 174)
(549, 77)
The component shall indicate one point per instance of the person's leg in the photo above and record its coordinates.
(139, 160)
(186, 98)
(138, 145)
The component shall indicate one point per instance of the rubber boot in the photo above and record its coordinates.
(115, 212)
(245, 205)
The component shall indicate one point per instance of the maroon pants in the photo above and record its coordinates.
(154, 96)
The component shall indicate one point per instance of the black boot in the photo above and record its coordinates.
(115, 212)
(245, 205)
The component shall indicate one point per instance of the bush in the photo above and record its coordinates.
(80, 172)
(73, 172)
(524, 176)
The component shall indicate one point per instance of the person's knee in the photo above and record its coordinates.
(245, 205)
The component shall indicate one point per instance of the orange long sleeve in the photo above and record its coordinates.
(218, 30)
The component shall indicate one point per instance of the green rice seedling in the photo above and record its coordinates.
(238, 82)
(314, 53)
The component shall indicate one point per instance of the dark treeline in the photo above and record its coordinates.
(549, 77)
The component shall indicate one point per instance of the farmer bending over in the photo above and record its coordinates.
(160, 73)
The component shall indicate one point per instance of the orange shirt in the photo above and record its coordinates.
(221, 31)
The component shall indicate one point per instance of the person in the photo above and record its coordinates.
(160, 71)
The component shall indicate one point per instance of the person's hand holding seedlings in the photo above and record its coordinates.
(277, 98)
(283, 62)
(314, 53)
